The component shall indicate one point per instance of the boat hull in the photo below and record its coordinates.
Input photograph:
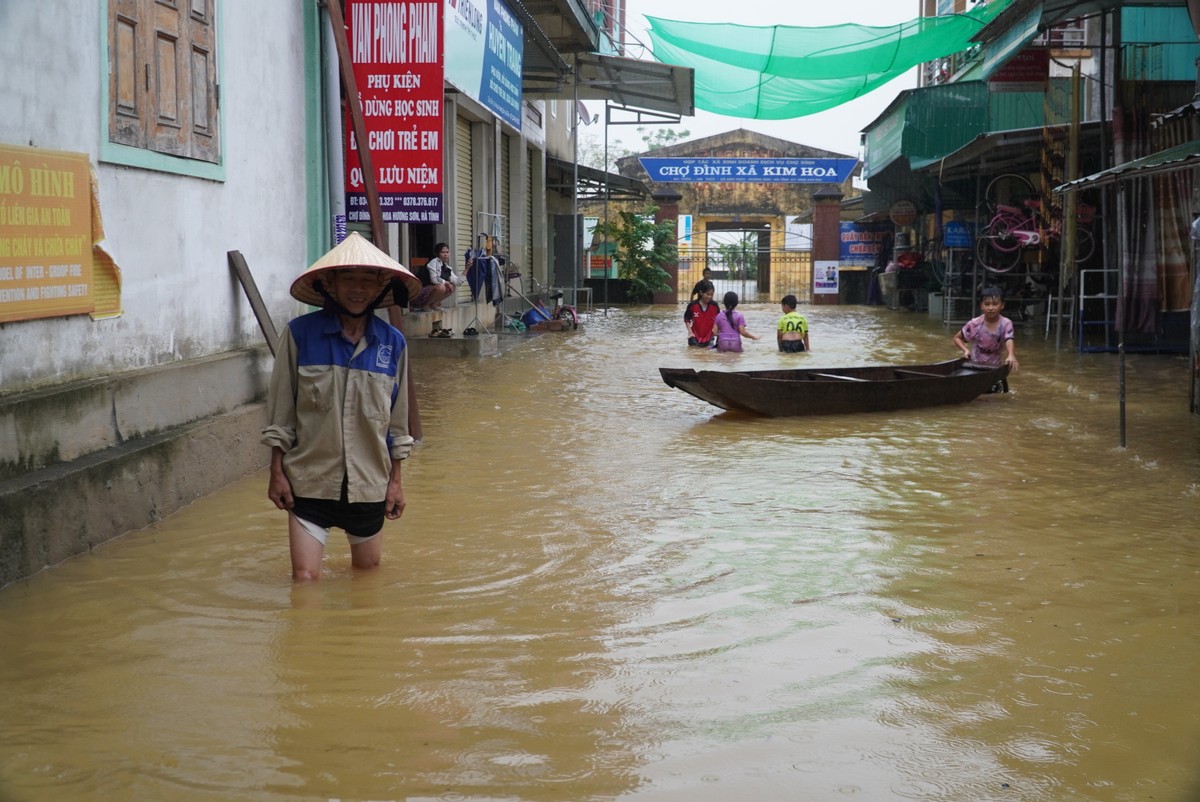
(688, 380)
(816, 391)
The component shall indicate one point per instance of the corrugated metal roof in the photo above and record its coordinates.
(561, 175)
(1157, 35)
(1164, 161)
(1056, 11)
(1004, 151)
(931, 122)
(1159, 44)
(1013, 39)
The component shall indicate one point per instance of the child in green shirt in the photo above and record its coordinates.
(792, 331)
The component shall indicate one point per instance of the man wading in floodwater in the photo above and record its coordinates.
(338, 407)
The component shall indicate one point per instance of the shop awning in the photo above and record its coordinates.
(1057, 11)
(593, 184)
(1003, 152)
(567, 24)
(553, 28)
(543, 59)
(1012, 40)
(922, 125)
(1164, 161)
(1017, 25)
(628, 82)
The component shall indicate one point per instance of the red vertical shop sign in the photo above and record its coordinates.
(396, 49)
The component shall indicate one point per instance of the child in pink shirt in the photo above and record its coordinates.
(731, 326)
(988, 339)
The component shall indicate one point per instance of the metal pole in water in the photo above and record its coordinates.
(1119, 313)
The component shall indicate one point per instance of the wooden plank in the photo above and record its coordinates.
(920, 373)
(350, 85)
(237, 263)
(414, 413)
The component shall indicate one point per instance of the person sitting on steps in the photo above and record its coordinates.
(438, 282)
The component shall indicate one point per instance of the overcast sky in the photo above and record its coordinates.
(836, 129)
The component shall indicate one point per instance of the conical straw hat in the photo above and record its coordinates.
(353, 251)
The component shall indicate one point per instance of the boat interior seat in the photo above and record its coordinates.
(839, 376)
(902, 372)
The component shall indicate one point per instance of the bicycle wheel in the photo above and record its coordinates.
(1085, 245)
(934, 262)
(997, 249)
(937, 272)
(1008, 189)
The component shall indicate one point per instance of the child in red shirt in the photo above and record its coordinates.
(701, 315)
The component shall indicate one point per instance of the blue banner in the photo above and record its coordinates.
(749, 170)
(485, 49)
(859, 243)
(505, 51)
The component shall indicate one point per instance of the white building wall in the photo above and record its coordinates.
(168, 233)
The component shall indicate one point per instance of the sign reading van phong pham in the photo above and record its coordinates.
(45, 234)
(397, 50)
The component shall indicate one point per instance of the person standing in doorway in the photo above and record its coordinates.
(337, 408)
(700, 315)
(731, 326)
(791, 333)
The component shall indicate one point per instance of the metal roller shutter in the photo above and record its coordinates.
(529, 212)
(464, 202)
(505, 226)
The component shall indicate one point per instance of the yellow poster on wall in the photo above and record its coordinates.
(45, 234)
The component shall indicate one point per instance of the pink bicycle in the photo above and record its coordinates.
(1012, 228)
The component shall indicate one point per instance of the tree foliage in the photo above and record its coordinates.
(591, 146)
(642, 248)
(740, 258)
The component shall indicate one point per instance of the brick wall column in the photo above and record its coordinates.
(827, 215)
(668, 209)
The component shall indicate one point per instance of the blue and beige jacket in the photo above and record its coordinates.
(339, 408)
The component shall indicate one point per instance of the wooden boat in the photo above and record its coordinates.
(826, 391)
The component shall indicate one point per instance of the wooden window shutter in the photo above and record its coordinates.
(126, 96)
(203, 82)
(163, 83)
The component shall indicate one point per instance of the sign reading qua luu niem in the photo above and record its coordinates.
(749, 170)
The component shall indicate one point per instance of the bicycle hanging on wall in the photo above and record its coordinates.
(1009, 224)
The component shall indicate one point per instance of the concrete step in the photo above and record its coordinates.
(62, 423)
(459, 346)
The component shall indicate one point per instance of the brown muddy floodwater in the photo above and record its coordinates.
(604, 589)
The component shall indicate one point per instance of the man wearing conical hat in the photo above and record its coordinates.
(338, 407)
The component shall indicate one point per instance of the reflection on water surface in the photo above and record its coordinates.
(604, 589)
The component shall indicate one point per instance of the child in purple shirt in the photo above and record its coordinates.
(731, 326)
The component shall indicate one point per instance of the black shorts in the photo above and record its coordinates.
(361, 519)
(709, 343)
(792, 346)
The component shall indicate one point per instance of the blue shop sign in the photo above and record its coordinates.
(859, 243)
(956, 235)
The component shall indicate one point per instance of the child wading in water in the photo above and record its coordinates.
(990, 336)
(700, 313)
(731, 326)
(792, 330)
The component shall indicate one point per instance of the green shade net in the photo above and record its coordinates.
(780, 72)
